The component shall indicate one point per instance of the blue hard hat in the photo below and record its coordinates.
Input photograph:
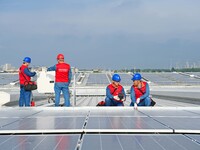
(136, 76)
(27, 59)
(116, 78)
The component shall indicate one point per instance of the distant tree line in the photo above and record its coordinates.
(186, 70)
(160, 70)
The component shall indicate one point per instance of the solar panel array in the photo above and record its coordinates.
(196, 74)
(6, 78)
(103, 79)
(170, 79)
(158, 78)
(183, 79)
(126, 79)
(97, 79)
(100, 128)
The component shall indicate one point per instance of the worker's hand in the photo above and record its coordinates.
(36, 75)
(44, 69)
(138, 100)
(116, 98)
(37, 72)
(135, 106)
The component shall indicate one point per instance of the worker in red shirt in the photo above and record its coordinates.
(62, 80)
(115, 94)
(25, 75)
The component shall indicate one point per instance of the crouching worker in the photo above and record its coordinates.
(139, 92)
(115, 95)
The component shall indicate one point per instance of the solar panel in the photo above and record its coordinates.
(46, 123)
(194, 137)
(40, 142)
(170, 79)
(7, 78)
(97, 79)
(114, 123)
(48, 119)
(139, 142)
(126, 79)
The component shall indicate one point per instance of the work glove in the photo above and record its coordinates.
(135, 106)
(138, 100)
(116, 98)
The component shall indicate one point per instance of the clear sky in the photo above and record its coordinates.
(107, 34)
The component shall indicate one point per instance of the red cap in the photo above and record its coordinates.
(60, 56)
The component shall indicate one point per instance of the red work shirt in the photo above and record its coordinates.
(62, 72)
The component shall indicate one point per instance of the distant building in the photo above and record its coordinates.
(96, 70)
(8, 68)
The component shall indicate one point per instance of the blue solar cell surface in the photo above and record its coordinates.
(100, 128)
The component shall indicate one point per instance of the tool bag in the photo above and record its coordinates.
(121, 96)
(29, 85)
(101, 103)
(152, 102)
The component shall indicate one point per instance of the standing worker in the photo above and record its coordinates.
(139, 92)
(62, 80)
(115, 94)
(25, 75)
